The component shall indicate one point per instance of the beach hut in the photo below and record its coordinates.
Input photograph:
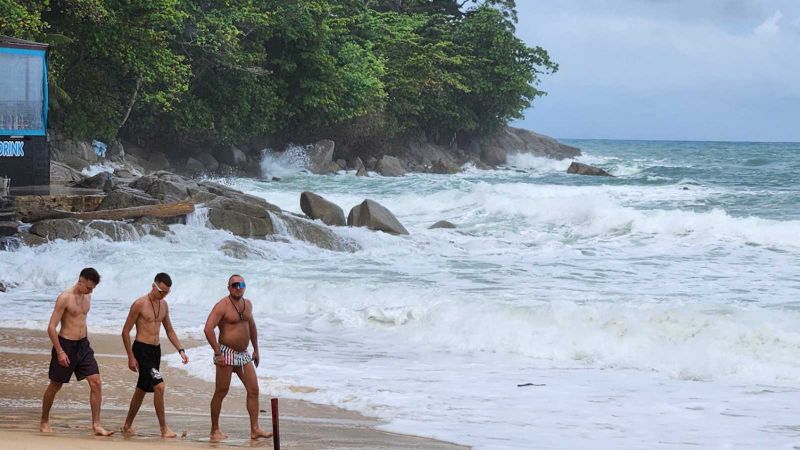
(24, 154)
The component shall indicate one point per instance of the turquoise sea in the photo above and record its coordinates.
(655, 309)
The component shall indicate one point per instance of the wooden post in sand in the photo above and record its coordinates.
(276, 433)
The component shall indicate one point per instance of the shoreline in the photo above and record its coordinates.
(304, 425)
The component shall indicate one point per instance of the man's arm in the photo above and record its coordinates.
(55, 318)
(172, 336)
(133, 314)
(253, 335)
(212, 322)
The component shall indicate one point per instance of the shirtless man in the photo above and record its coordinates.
(234, 317)
(71, 350)
(144, 356)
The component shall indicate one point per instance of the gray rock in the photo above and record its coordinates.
(495, 148)
(63, 174)
(73, 153)
(126, 197)
(389, 166)
(585, 169)
(374, 216)
(209, 162)
(313, 233)
(320, 158)
(362, 172)
(151, 226)
(100, 181)
(316, 207)
(442, 224)
(371, 163)
(341, 163)
(231, 156)
(194, 166)
(235, 249)
(165, 186)
(444, 166)
(158, 161)
(53, 229)
(113, 229)
(8, 228)
(31, 240)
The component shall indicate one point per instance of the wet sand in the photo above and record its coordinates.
(26, 356)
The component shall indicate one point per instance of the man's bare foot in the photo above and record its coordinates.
(44, 427)
(217, 435)
(167, 433)
(100, 431)
(258, 434)
(128, 430)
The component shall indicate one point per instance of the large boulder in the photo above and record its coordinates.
(73, 153)
(63, 174)
(209, 162)
(165, 186)
(442, 224)
(231, 156)
(316, 207)
(444, 166)
(313, 233)
(126, 197)
(53, 229)
(585, 169)
(375, 216)
(390, 166)
(102, 180)
(158, 161)
(111, 229)
(194, 166)
(320, 158)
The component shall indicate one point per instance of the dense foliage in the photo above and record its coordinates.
(222, 71)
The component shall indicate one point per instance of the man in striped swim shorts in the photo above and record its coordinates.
(233, 315)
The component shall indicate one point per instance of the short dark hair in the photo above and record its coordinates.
(163, 278)
(234, 275)
(90, 274)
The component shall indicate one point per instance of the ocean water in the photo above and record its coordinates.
(656, 309)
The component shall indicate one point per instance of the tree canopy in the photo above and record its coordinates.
(223, 71)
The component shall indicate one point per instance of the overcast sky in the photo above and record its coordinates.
(667, 69)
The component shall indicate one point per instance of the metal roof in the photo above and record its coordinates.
(8, 41)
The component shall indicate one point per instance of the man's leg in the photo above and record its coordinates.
(47, 403)
(95, 400)
(136, 403)
(223, 383)
(158, 402)
(248, 376)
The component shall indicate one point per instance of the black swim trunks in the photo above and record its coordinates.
(81, 361)
(149, 358)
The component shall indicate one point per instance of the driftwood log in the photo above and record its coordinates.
(161, 210)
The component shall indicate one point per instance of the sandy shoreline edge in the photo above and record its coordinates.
(304, 425)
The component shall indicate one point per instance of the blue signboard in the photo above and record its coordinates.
(23, 93)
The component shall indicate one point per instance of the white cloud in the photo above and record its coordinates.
(666, 67)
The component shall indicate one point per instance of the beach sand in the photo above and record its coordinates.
(303, 425)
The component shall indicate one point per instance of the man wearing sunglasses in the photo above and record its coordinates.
(144, 356)
(234, 317)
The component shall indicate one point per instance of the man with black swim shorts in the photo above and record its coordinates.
(144, 356)
(71, 350)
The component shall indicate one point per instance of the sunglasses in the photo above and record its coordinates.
(238, 285)
(161, 291)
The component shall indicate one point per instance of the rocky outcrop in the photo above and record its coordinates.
(442, 224)
(585, 169)
(375, 216)
(102, 180)
(390, 166)
(320, 158)
(316, 207)
(495, 149)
